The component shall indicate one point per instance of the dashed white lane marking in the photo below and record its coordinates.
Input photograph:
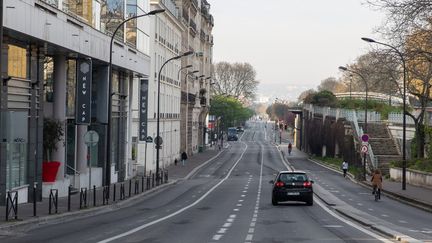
(402, 221)
(332, 226)
(236, 209)
(249, 237)
(230, 220)
(243, 195)
(217, 237)
(226, 225)
(134, 230)
(252, 224)
(239, 205)
(384, 215)
(251, 230)
(370, 209)
(360, 204)
(241, 200)
(222, 230)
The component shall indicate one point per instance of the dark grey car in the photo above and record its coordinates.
(292, 186)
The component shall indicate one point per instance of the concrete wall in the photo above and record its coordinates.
(413, 177)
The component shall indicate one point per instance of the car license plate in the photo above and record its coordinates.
(293, 193)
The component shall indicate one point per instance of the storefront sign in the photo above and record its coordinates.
(83, 92)
(143, 109)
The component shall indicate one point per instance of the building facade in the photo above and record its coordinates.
(165, 36)
(44, 45)
(196, 81)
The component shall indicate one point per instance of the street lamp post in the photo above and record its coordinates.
(108, 150)
(404, 164)
(366, 109)
(158, 108)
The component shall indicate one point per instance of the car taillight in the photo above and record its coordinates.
(279, 184)
(307, 184)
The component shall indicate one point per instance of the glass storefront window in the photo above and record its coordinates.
(112, 14)
(16, 148)
(48, 79)
(70, 88)
(17, 61)
(81, 8)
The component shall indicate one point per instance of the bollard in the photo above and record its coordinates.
(34, 200)
(142, 184)
(94, 196)
(130, 187)
(122, 191)
(153, 180)
(83, 198)
(69, 198)
(136, 187)
(114, 193)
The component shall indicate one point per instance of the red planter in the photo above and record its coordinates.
(49, 170)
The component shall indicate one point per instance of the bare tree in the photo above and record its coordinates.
(381, 71)
(305, 94)
(235, 79)
(331, 84)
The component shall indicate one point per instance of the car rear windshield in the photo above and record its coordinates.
(293, 177)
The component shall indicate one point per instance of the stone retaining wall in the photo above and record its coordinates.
(413, 177)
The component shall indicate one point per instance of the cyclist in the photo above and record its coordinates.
(289, 148)
(377, 182)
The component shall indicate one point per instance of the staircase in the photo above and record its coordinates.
(383, 145)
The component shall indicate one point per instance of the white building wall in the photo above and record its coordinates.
(163, 26)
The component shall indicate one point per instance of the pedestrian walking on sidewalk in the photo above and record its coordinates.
(289, 148)
(184, 157)
(344, 168)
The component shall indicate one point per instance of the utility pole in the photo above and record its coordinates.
(2, 104)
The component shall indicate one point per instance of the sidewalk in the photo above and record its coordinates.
(124, 192)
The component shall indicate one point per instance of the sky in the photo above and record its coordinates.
(292, 44)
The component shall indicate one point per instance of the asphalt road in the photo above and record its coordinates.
(229, 200)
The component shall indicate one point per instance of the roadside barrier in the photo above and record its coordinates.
(12, 204)
(53, 200)
(88, 197)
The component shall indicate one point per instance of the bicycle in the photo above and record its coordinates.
(377, 193)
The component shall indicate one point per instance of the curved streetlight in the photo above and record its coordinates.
(108, 150)
(404, 164)
(158, 109)
(345, 69)
(182, 68)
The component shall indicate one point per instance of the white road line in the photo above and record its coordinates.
(227, 225)
(233, 216)
(239, 205)
(134, 230)
(368, 232)
(252, 224)
(249, 237)
(217, 237)
(222, 230)
(251, 230)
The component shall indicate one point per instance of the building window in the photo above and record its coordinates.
(70, 88)
(49, 79)
(112, 14)
(81, 8)
(16, 148)
(17, 61)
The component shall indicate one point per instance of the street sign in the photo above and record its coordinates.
(143, 105)
(365, 138)
(364, 148)
(149, 139)
(158, 141)
(91, 138)
(83, 92)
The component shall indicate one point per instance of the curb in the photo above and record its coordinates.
(66, 216)
(381, 229)
(409, 201)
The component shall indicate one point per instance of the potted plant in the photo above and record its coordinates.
(52, 134)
